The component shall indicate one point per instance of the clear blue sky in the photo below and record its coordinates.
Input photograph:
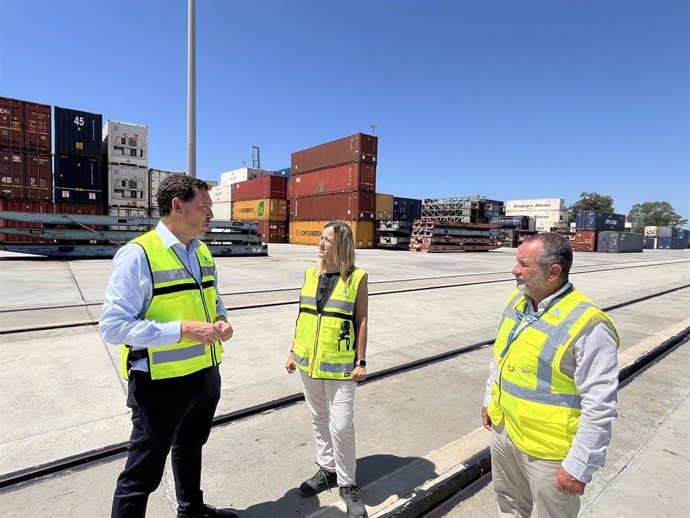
(507, 99)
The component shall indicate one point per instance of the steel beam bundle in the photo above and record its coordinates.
(447, 236)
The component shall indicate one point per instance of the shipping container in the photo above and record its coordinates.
(264, 209)
(37, 127)
(557, 204)
(128, 212)
(651, 231)
(351, 206)
(384, 207)
(11, 123)
(650, 243)
(78, 179)
(309, 232)
(355, 148)
(665, 232)
(33, 206)
(273, 231)
(673, 243)
(128, 186)
(544, 220)
(78, 133)
(406, 209)
(125, 143)
(222, 210)
(221, 193)
(243, 174)
(11, 174)
(38, 176)
(585, 241)
(257, 188)
(593, 220)
(156, 176)
(285, 173)
(619, 242)
(79, 208)
(344, 178)
(518, 222)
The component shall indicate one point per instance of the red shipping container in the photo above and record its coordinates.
(585, 241)
(343, 178)
(273, 231)
(355, 148)
(10, 123)
(36, 127)
(41, 207)
(38, 176)
(352, 206)
(11, 174)
(257, 188)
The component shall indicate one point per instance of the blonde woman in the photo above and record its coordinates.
(329, 350)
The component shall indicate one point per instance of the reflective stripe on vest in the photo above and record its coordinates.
(177, 297)
(538, 400)
(325, 342)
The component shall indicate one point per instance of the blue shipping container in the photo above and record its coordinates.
(406, 209)
(78, 133)
(599, 221)
(285, 172)
(78, 180)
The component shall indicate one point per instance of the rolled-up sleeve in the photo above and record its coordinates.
(127, 297)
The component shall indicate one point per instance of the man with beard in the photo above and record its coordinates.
(551, 396)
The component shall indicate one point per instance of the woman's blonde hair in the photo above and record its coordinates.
(344, 249)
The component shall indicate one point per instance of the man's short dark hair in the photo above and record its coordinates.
(557, 250)
(177, 186)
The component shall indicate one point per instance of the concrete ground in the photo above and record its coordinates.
(61, 393)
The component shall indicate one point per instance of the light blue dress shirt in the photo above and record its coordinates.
(130, 291)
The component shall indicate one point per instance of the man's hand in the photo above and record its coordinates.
(566, 483)
(201, 332)
(486, 420)
(225, 329)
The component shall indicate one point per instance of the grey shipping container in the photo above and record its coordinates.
(78, 179)
(599, 221)
(620, 242)
(77, 133)
(650, 243)
(355, 148)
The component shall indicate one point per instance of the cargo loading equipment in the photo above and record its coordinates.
(84, 236)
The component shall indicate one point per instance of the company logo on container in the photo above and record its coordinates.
(312, 233)
(4, 111)
(247, 210)
(610, 221)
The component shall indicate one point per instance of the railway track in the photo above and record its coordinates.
(262, 299)
(18, 479)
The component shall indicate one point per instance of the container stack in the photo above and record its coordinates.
(125, 152)
(336, 180)
(549, 214)
(514, 229)
(672, 238)
(156, 176)
(26, 171)
(262, 201)
(589, 223)
(619, 242)
(79, 178)
(395, 234)
(452, 236)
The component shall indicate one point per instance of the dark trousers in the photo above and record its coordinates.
(172, 413)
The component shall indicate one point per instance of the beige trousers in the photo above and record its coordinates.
(332, 410)
(522, 482)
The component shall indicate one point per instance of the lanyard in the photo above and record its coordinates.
(528, 319)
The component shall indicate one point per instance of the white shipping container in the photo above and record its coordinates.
(211, 183)
(544, 219)
(221, 193)
(128, 212)
(651, 231)
(222, 210)
(665, 232)
(156, 176)
(125, 143)
(128, 186)
(543, 204)
(243, 174)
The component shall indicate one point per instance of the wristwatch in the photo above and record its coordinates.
(361, 363)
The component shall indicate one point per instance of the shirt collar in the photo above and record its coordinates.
(170, 240)
(544, 303)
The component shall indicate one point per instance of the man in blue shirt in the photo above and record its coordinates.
(169, 411)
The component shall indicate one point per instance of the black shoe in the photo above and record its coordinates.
(352, 496)
(321, 480)
(208, 511)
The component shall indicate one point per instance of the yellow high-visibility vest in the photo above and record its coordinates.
(325, 344)
(532, 394)
(177, 296)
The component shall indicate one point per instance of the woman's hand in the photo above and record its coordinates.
(290, 363)
(359, 374)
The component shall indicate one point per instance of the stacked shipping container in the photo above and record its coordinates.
(262, 200)
(589, 223)
(26, 172)
(336, 180)
(548, 213)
